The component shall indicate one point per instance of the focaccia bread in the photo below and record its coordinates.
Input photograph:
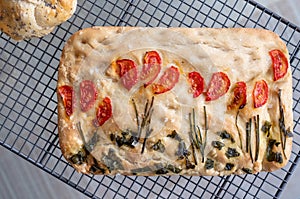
(22, 19)
(188, 101)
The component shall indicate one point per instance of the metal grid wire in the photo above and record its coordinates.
(28, 116)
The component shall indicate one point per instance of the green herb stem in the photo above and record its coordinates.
(137, 118)
(148, 133)
(283, 131)
(206, 129)
(237, 127)
(193, 142)
(257, 139)
(196, 135)
(144, 124)
(248, 134)
(78, 125)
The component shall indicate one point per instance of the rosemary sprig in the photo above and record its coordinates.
(257, 137)
(144, 124)
(283, 131)
(196, 135)
(197, 131)
(193, 142)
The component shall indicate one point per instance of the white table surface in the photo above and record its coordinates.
(20, 179)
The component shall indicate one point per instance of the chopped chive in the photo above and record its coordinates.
(225, 135)
(232, 152)
(266, 128)
(217, 144)
(173, 168)
(96, 168)
(209, 164)
(162, 171)
(247, 170)
(80, 157)
(188, 163)
(289, 134)
(182, 152)
(175, 135)
(273, 156)
(228, 166)
(158, 146)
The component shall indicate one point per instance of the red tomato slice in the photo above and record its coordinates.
(88, 95)
(218, 86)
(197, 83)
(151, 67)
(67, 94)
(260, 93)
(152, 57)
(240, 96)
(128, 72)
(104, 112)
(167, 81)
(279, 64)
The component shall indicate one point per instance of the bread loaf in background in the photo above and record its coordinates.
(21, 19)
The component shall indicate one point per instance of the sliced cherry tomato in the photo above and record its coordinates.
(104, 112)
(88, 95)
(167, 81)
(218, 86)
(152, 57)
(197, 83)
(151, 67)
(260, 93)
(128, 72)
(67, 94)
(240, 96)
(279, 64)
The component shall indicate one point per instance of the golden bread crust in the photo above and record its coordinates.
(241, 53)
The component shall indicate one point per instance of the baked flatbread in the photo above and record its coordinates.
(164, 101)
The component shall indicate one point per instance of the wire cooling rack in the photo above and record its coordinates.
(28, 115)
